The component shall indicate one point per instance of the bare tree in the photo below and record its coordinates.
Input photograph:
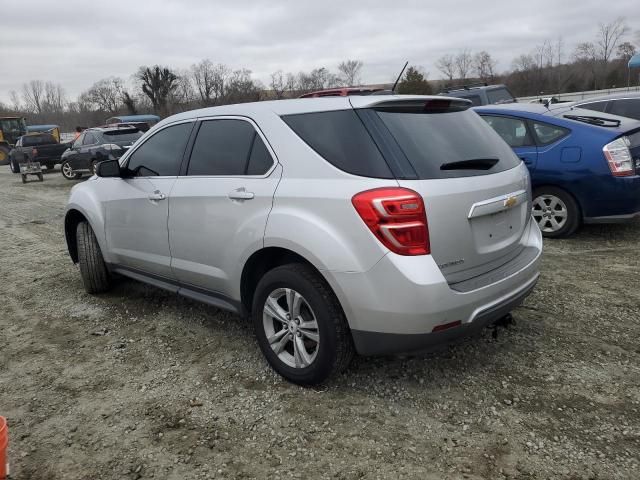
(54, 98)
(625, 51)
(129, 103)
(15, 100)
(586, 54)
(484, 66)
(158, 83)
(33, 96)
(447, 65)
(463, 63)
(106, 94)
(350, 72)
(609, 35)
(203, 74)
(278, 84)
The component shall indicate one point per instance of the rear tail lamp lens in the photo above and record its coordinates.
(397, 217)
(619, 157)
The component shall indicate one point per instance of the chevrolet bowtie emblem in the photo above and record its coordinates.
(510, 202)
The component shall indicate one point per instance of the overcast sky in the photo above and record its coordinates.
(76, 43)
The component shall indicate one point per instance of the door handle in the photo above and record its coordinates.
(157, 195)
(241, 194)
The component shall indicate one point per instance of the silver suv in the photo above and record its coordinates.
(374, 224)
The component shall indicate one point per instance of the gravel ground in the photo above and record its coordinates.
(140, 383)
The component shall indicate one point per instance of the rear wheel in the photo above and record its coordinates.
(300, 325)
(95, 276)
(556, 212)
(24, 178)
(67, 171)
(41, 177)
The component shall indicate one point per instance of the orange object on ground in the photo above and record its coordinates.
(4, 443)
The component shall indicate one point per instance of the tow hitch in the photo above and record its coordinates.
(504, 322)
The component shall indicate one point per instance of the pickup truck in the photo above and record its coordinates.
(38, 147)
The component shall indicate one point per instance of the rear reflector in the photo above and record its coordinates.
(446, 326)
(396, 216)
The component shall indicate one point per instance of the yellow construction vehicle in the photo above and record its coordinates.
(11, 128)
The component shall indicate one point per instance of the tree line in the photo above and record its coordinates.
(547, 68)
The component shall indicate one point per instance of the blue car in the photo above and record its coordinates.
(584, 165)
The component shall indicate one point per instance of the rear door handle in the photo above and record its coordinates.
(241, 194)
(157, 195)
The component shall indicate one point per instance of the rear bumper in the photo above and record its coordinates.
(395, 306)
(375, 343)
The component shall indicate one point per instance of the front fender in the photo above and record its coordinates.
(83, 200)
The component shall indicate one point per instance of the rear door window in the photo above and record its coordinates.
(547, 133)
(228, 147)
(341, 139)
(628, 107)
(433, 142)
(514, 131)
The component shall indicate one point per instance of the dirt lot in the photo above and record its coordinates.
(140, 383)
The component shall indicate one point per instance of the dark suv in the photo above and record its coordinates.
(95, 145)
(481, 94)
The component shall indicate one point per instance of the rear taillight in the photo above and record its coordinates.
(619, 157)
(397, 217)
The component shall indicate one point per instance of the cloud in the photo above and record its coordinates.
(76, 43)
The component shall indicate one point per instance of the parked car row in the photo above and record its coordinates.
(42, 144)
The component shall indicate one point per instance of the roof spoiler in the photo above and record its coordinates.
(424, 105)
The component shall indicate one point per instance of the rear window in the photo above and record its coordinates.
(341, 138)
(32, 141)
(499, 95)
(434, 142)
(123, 135)
(628, 107)
(596, 106)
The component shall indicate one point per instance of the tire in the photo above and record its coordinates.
(13, 166)
(40, 177)
(556, 212)
(4, 155)
(24, 178)
(67, 171)
(319, 360)
(94, 273)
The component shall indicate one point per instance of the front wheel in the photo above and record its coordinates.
(555, 211)
(67, 171)
(300, 326)
(13, 166)
(94, 273)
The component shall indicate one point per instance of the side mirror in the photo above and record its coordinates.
(108, 168)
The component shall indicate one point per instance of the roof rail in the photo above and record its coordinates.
(468, 86)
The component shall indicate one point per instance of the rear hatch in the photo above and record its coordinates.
(475, 189)
(123, 138)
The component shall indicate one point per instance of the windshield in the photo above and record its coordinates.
(122, 136)
(13, 125)
(33, 140)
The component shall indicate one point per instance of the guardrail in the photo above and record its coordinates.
(575, 96)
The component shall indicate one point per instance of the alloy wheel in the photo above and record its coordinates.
(67, 171)
(291, 328)
(550, 212)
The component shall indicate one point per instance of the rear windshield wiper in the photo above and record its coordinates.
(472, 164)
(600, 121)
